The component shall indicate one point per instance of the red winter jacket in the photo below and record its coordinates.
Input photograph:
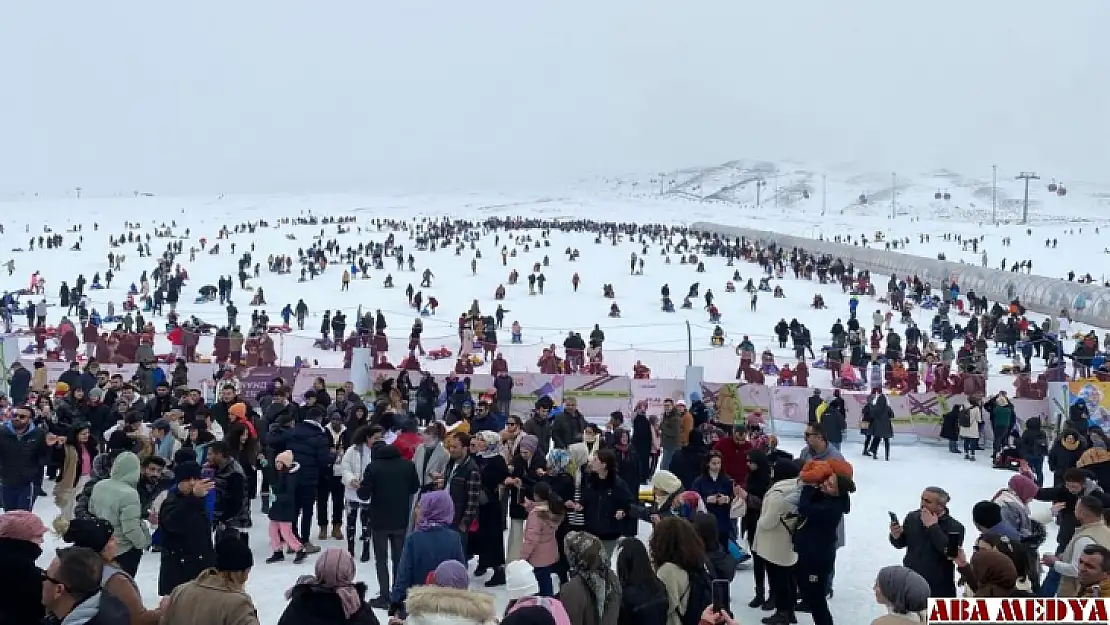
(734, 458)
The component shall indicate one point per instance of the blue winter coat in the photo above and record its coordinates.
(424, 550)
(707, 486)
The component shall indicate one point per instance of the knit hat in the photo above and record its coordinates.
(183, 455)
(530, 615)
(161, 424)
(186, 471)
(119, 441)
(61, 389)
(89, 532)
(451, 574)
(285, 458)
(666, 481)
(21, 525)
(96, 394)
(1023, 487)
(528, 443)
(237, 410)
(233, 555)
(784, 470)
(986, 514)
(520, 580)
(906, 591)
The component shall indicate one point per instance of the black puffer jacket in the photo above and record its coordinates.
(388, 483)
(926, 551)
(312, 604)
(186, 540)
(20, 582)
(311, 447)
(21, 456)
(601, 498)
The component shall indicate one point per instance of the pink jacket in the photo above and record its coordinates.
(540, 545)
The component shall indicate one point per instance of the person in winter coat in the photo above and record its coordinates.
(115, 500)
(720, 562)
(950, 427)
(878, 412)
(431, 457)
(734, 452)
(539, 424)
(670, 433)
(822, 505)
(72, 590)
(21, 537)
(331, 597)
(1002, 419)
(1033, 447)
(283, 510)
(1065, 454)
(755, 488)
(433, 541)
(218, 595)
(924, 534)
(96, 535)
(569, 425)
(643, 595)
(716, 490)
(354, 463)
(526, 470)
(232, 506)
(185, 529)
(80, 452)
(834, 424)
(435, 605)
(19, 386)
(903, 593)
(388, 483)
(969, 430)
(593, 594)
(540, 547)
(23, 452)
(606, 500)
(312, 451)
(773, 540)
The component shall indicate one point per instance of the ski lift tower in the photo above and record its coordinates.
(1026, 176)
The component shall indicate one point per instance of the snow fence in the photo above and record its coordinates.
(1088, 303)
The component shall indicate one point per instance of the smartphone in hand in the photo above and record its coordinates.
(894, 519)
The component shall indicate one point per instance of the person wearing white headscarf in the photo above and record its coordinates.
(487, 541)
(904, 593)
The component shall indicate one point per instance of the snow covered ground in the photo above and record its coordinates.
(643, 332)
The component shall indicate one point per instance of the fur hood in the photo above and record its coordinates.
(432, 605)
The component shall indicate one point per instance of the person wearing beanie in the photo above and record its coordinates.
(21, 537)
(218, 595)
(450, 574)
(987, 517)
(520, 582)
(61, 389)
(330, 596)
(822, 506)
(185, 529)
(96, 535)
(903, 593)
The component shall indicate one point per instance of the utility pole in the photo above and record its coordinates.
(994, 194)
(1026, 176)
(776, 190)
(759, 184)
(893, 194)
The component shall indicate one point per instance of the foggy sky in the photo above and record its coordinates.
(299, 96)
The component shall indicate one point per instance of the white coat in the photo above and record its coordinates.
(975, 413)
(353, 466)
(773, 541)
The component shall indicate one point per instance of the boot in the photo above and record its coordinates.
(498, 578)
(277, 557)
(266, 504)
(757, 600)
(351, 546)
(337, 530)
(768, 605)
(302, 555)
(310, 548)
(323, 535)
(778, 618)
(365, 551)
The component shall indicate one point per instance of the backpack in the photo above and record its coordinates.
(965, 418)
(650, 612)
(699, 595)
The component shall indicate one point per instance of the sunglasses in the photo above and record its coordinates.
(46, 578)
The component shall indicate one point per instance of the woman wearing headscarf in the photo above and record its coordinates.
(996, 569)
(331, 597)
(563, 481)
(525, 469)
(593, 594)
(97, 534)
(487, 542)
(903, 593)
(433, 542)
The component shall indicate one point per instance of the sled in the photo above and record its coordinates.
(283, 329)
(440, 354)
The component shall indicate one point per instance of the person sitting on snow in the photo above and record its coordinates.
(686, 303)
(786, 376)
(818, 301)
(668, 305)
(614, 310)
(730, 287)
(714, 314)
(779, 293)
(608, 292)
(718, 337)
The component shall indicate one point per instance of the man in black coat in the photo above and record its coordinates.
(312, 450)
(925, 535)
(388, 483)
(23, 452)
(20, 383)
(815, 402)
(183, 525)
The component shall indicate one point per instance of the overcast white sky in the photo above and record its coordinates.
(211, 96)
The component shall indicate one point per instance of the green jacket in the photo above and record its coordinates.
(117, 501)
